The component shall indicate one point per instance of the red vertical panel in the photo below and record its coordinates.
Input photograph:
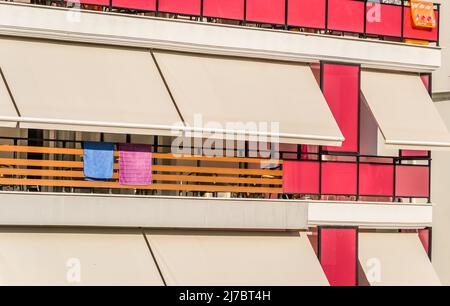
(384, 19)
(266, 11)
(376, 180)
(424, 236)
(338, 255)
(339, 178)
(144, 5)
(95, 2)
(410, 31)
(228, 9)
(307, 13)
(301, 177)
(186, 7)
(412, 181)
(346, 15)
(341, 90)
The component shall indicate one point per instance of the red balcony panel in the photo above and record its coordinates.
(266, 11)
(94, 2)
(346, 15)
(143, 5)
(339, 255)
(412, 181)
(417, 33)
(384, 19)
(414, 153)
(301, 177)
(307, 13)
(376, 180)
(340, 86)
(339, 178)
(183, 7)
(227, 9)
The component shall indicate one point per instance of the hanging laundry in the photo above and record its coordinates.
(423, 15)
(135, 164)
(98, 160)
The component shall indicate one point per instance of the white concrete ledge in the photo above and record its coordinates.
(371, 215)
(88, 210)
(53, 209)
(149, 32)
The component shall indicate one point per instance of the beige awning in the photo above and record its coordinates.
(76, 258)
(6, 106)
(86, 87)
(227, 258)
(404, 110)
(395, 259)
(218, 93)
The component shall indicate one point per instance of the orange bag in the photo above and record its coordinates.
(423, 15)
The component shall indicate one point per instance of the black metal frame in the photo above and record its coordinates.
(287, 25)
(319, 246)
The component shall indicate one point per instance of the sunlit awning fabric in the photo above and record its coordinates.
(221, 91)
(395, 259)
(90, 88)
(235, 258)
(404, 111)
(52, 257)
(6, 106)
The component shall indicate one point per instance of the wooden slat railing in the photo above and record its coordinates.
(63, 173)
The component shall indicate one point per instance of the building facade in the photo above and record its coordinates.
(213, 142)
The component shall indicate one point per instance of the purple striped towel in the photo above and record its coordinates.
(135, 164)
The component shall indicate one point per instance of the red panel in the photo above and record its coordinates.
(417, 33)
(339, 178)
(95, 2)
(412, 181)
(307, 13)
(341, 90)
(424, 236)
(186, 7)
(144, 5)
(266, 11)
(414, 153)
(346, 15)
(426, 81)
(376, 180)
(228, 9)
(301, 177)
(383, 19)
(339, 255)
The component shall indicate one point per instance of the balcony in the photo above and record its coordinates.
(363, 18)
(199, 191)
(257, 40)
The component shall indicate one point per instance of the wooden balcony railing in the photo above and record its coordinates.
(203, 178)
(320, 175)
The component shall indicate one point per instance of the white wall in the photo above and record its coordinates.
(441, 160)
(440, 193)
(441, 78)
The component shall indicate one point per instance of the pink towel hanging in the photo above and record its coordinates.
(135, 164)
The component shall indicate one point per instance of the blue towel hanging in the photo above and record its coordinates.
(98, 160)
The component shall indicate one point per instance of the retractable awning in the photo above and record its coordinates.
(231, 258)
(6, 106)
(404, 111)
(76, 258)
(222, 92)
(85, 88)
(395, 259)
